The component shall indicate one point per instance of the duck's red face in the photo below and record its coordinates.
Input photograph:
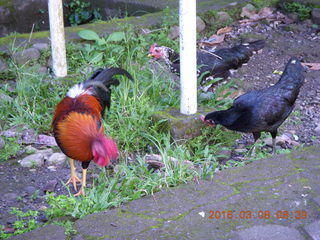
(155, 51)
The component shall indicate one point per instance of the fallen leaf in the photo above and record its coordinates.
(213, 40)
(224, 30)
(312, 66)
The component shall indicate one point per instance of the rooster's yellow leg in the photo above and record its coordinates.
(83, 184)
(73, 178)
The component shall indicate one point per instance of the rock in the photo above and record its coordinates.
(9, 133)
(33, 160)
(263, 232)
(43, 70)
(26, 55)
(317, 130)
(224, 155)
(174, 32)
(48, 232)
(50, 186)
(181, 126)
(29, 190)
(30, 150)
(2, 143)
(201, 25)
(5, 97)
(313, 229)
(240, 150)
(41, 46)
(283, 140)
(156, 161)
(28, 136)
(316, 15)
(10, 197)
(46, 140)
(223, 17)
(294, 17)
(45, 152)
(3, 65)
(248, 11)
(57, 159)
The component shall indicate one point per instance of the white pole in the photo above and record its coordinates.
(188, 56)
(59, 61)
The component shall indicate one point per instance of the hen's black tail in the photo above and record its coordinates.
(101, 81)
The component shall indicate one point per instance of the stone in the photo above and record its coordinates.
(28, 136)
(2, 143)
(9, 133)
(248, 11)
(57, 159)
(270, 231)
(26, 55)
(10, 197)
(50, 186)
(3, 65)
(223, 17)
(29, 190)
(181, 126)
(30, 150)
(5, 97)
(33, 160)
(174, 32)
(45, 152)
(41, 46)
(313, 229)
(48, 232)
(316, 15)
(201, 25)
(317, 130)
(46, 140)
(294, 17)
(224, 155)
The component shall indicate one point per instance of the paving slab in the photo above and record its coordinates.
(270, 197)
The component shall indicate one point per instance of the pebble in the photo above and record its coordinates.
(29, 190)
(45, 152)
(33, 160)
(10, 197)
(317, 130)
(240, 150)
(50, 186)
(57, 159)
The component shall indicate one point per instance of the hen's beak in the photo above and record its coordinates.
(149, 55)
(207, 122)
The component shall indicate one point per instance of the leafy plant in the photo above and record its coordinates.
(80, 13)
(25, 223)
(303, 11)
(10, 149)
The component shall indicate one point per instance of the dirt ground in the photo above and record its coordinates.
(24, 188)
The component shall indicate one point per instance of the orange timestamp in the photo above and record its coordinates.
(261, 214)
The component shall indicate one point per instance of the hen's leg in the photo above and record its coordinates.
(73, 178)
(274, 135)
(256, 136)
(85, 166)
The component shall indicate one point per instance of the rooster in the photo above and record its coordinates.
(77, 124)
(265, 109)
(215, 64)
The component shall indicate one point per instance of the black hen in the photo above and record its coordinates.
(216, 64)
(265, 109)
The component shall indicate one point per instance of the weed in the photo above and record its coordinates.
(80, 13)
(303, 11)
(10, 149)
(25, 223)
